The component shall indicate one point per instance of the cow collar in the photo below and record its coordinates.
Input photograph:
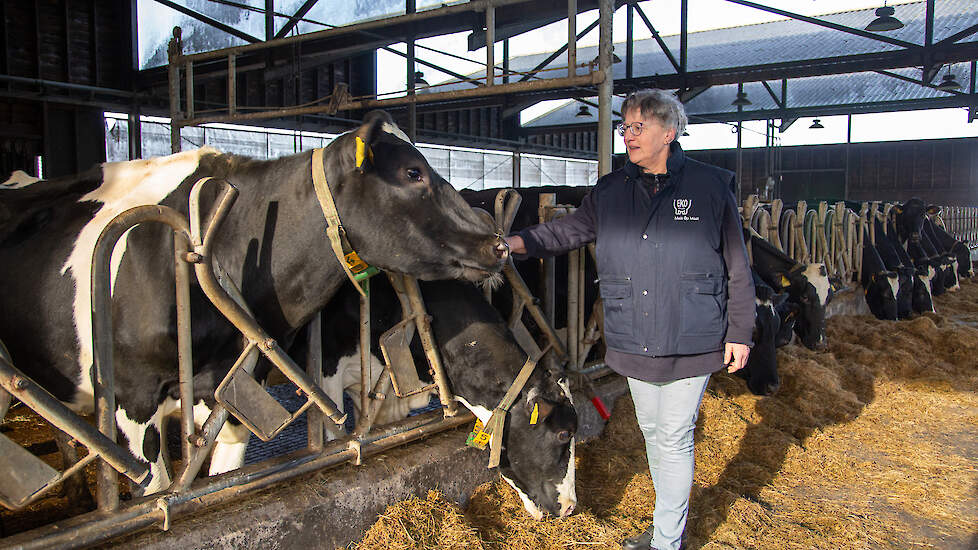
(494, 427)
(348, 258)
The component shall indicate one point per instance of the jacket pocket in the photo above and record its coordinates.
(701, 305)
(618, 308)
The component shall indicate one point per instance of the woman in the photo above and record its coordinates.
(676, 286)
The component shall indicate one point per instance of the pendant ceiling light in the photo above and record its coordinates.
(816, 125)
(884, 20)
(741, 100)
(949, 82)
(583, 112)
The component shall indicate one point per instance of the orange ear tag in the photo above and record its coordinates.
(535, 414)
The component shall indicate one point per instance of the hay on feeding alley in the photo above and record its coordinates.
(872, 444)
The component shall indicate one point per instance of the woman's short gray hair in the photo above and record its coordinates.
(659, 104)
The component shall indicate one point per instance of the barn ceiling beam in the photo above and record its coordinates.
(774, 96)
(965, 33)
(930, 70)
(786, 123)
(560, 51)
(657, 37)
(963, 52)
(856, 63)
(973, 108)
(431, 65)
(209, 21)
(789, 116)
(918, 82)
(688, 94)
(827, 24)
(295, 18)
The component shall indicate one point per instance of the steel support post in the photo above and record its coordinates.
(412, 130)
(605, 13)
(740, 136)
(571, 37)
(185, 357)
(366, 378)
(314, 369)
(232, 84)
(573, 338)
(490, 44)
(174, 53)
(547, 271)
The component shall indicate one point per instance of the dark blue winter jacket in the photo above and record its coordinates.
(665, 285)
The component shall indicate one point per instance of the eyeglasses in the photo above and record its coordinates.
(635, 127)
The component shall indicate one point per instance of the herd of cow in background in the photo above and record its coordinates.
(286, 281)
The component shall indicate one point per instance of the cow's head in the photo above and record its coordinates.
(881, 289)
(963, 255)
(910, 218)
(400, 214)
(922, 298)
(539, 452)
(761, 371)
(810, 288)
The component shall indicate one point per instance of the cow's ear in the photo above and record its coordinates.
(374, 124)
(933, 210)
(897, 208)
(539, 409)
(783, 281)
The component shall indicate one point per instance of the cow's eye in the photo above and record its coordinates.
(563, 436)
(415, 174)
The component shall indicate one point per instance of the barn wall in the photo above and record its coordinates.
(60, 54)
(943, 171)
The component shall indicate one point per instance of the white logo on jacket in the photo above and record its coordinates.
(682, 207)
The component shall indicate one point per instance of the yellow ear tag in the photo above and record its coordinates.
(363, 152)
(785, 282)
(477, 437)
(535, 414)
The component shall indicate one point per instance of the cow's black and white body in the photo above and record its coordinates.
(950, 245)
(481, 359)
(881, 286)
(807, 285)
(398, 213)
(889, 251)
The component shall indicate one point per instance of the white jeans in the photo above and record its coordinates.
(666, 414)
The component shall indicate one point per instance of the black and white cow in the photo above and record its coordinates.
(481, 359)
(399, 214)
(807, 285)
(761, 371)
(908, 223)
(950, 245)
(950, 259)
(881, 286)
(889, 250)
(922, 299)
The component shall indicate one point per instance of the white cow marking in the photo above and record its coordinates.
(479, 411)
(894, 281)
(135, 433)
(18, 179)
(394, 130)
(125, 185)
(528, 504)
(821, 282)
(229, 449)
(567, 489)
